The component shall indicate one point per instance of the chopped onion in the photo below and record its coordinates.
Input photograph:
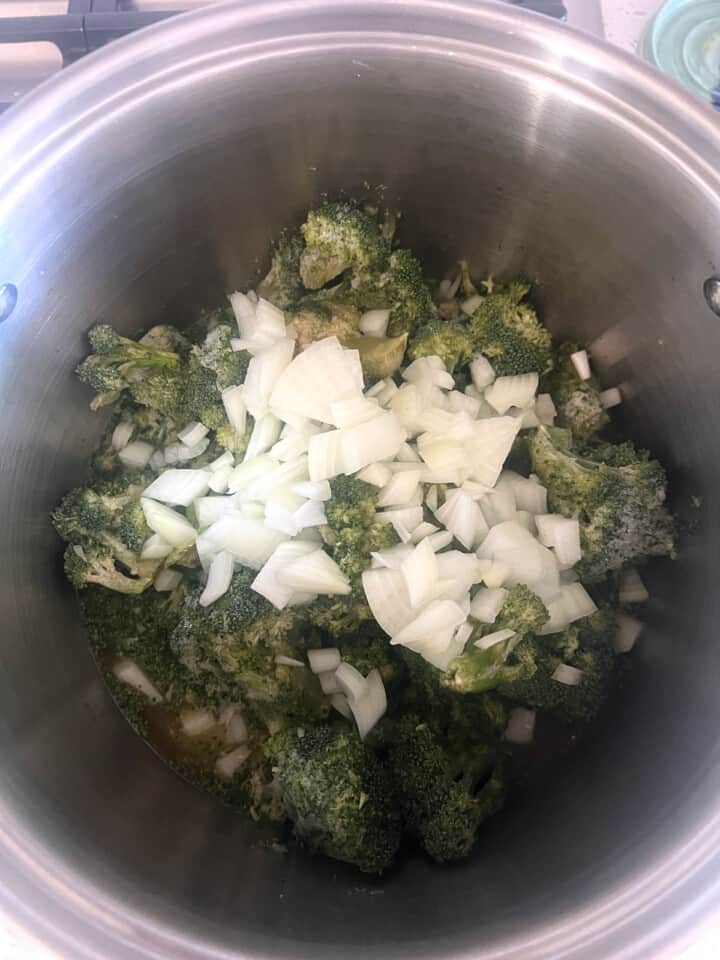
(432, 498)
(350, 413)
(376, 474)
(310, 514)
(368, 709)
(421, 572)
(570, 676)
(407, 405)
(260, 328)
(481, 372)
(278, 481)
(526, 520)
(562, 534)
(470, 305)
(529, 494)
(496, 575)
(490, 639)
(229, 763)
(400, 489)
(315, 573)
(521, 726)
(196, 722)
(384, 396)
(219, 578)
(219, 479)
(440, 540)
(263, 436)
(351, 682)
(210, 509)
(157, 460)
(387, 597)
(325, 456)
(170, 525)
(529, 562)
(339, 702)
(487, 603)
(319, 490)
(610, 398)
(572, 603)
(374, 323)
(489, 447)
(136, 455)
(262, 374)
(581, 363)
(329, 683)
(167, 580)
(170, 453)
(403, 519)
(628, 630)
(321, 375)
(245, 473)
(121, 434)
(431, 621)
(247, 538)
(422, 531)
(462, 635)
(130, 673)
(516, 391)
(192, 434)
(369, 442)
(237, 731)
(324, 659)
(155, 548)
(545, 409)
(235, 409)
(267, 582)
(282, 661)
(179, 487)
(224, 460)
(462, 517)
(465, 568)
(498, 506)
(393, 557)
(441, 451)
(632, 588)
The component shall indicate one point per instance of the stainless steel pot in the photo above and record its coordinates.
(149, 179)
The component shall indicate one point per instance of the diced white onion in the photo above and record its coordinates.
(245, 473)
(570, 676)
(315, 573)
(632, 588)
(157, 460)
(329, 683)
(318, 490)
(321, 375)
(405, 518)
(421, 572)
(387, 597)
(374, 323)
(496, 575)
(628, 630)
(393, 557)
(155, 548)
(192, 434)
(219, 479)
(235, 409)
(489, 446)
(219, 578)
(462, 517)
(581, 363)
(487, 603)
(196, 722)
(130, 673)
(481, 372)
(264, 434)
(229, 763)
(465, 568)
(521, 726)
(210, 509)
(376, 474)
(237, 731)
(168, 523)
(179, 487)
(516, 391)
(121, 434)
(470, 305)
(323, 659)
(310, 514)
(432, 620)
(369, 442)
(399, 489)
(325, 456)
(529, 562)
(611, 397)
(247, 538)
(440, 540)
(267, 582)
(368, 709)
(166, 580)
(545, 409)
(490, 639)
(529, 494)
(339, 702)
(262, 374)
(136, 455)
(562, 534)
(224, 460)
(352, 683)
(572, 603)
(282, 661)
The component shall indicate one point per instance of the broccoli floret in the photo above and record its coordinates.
(84, 511)
(477, 669)
(118, 363)
(228, 438)
(508, 332)
(443, 806)
(587, 645)
(132, 527)
(619, 503)
(379, 356)
(318, 317)
(216, 354)
(338, 795)
(94, 562)
(340, 236)
(163, 336)
(283, 285)
(441, 338)
(339, 616)
(406, 294)
(578, 401)
(353, 530)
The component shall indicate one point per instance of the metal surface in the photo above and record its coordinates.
(148, 179)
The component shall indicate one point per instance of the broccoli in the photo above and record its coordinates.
(406, 294)
(441, 338)
(216, 355)
(131, 527)
(587, 645)
(96, 562)
(228, 438)
(616, 492)
(339, 796)
(283, 285)
(322, 316)
(117, 364)
(443, 805)
(508, 332)
(379, 356)
(340, 236)
(578, 401)
(478, 670)
(163, 336)
(353, 530)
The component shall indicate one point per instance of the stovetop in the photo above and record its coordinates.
(40, 37)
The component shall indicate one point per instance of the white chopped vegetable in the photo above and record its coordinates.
(325, 456)
(319, 490)
(545, 409)
(179, 487)
(376, 474)
(526, 520)
(130, 673)
(562, 534)
(219, 479)
(235, 409)
(632, 588)
(465, 568)
(521, 726)
(628, 630)
(481, 372)
(489, 446)
(440, 540)
(210, 509)
(155, 548)
(310, 514)
(529, 562)
(422, 531)
(581, 363)
(403, 519)
(498, 506)
(528, 419)
(441, 451)
(196, 722)
(570, 676)
(247, 538)
(387, 597)
(121, 434)
(316, 572)
(280, 479)
(262, 374)
(267, 582)
(369, 442)
(259, 325)
(229, 763)
(329, 684)
(420, 569)
(170, 453)
(407, 405)
(168, 523)
(449, 287)
(190, 453)
(368, 709)
(424, 369)
(245, 473)
(496, 575)
(324, 659)
(462, 635)
(384, 396)
(321, 375)
(236, 730)
(470, 305)
(517, 391)
(393, 557)
(192, 434)
(351, 682)
(432, 498)
(400, 489)
(219, 578)
(407, 454)
(490, 639)
(436, 617)
(460, 403)
(350, 413)
(487, 603)
(374, 323)
(572, 603)
(279, 517)
(611, 397)
(462, 517)
(224, 460)
(339, 702)
(282, 661)
(263, 436)
(136, 455)
(157, 460)
(529, 494)
(166, 580)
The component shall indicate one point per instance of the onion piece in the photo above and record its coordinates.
(611, 397)
(321, 375)
(318, 490)
(130, 673)
(470, 305)
(465, 568)
(166, 580)
(219, 479)
(351, 682)
(157, 460)
(481, 372)
(260, 329)
(393, 557)
(196, 722)
(521, 726)
(219, 578)
(179, 487)
(323, 659)
(235, 409)
(421, 573)
(310, 514)
(581, 363)
(229, 763)
(400, 489)
(487, 603)
(490, 639)
(224, 460)
(462, 517)
(329, 683)
(376, 474)
(570, 676)
(121, 435)
(316, 572)
(440, 540)
(248, 471)
(529, 562)
(374, 323)
(236, 729)
(431, 621)
(136, 455)
(368, 709)
(170, 525)
(267, 582)
(325, 456)
(247, 538)
(155, 548)
(339, 702)
(369, 442)
(545, 409)
(632, 588)
(489, 446)
(263, 373)
(263, 436)
(192, 434)
(628, 630)
(515, 391)
(572, 603)
(422, 531)
(210, 509)
(282, 661)
(404, 519)
(496, 575)
(387, 597)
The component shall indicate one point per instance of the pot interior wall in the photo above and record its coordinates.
(168, 207)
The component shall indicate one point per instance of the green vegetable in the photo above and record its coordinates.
(508, 332)
(283, 285)
(339, 237)
(577, 401)
(339, 796)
